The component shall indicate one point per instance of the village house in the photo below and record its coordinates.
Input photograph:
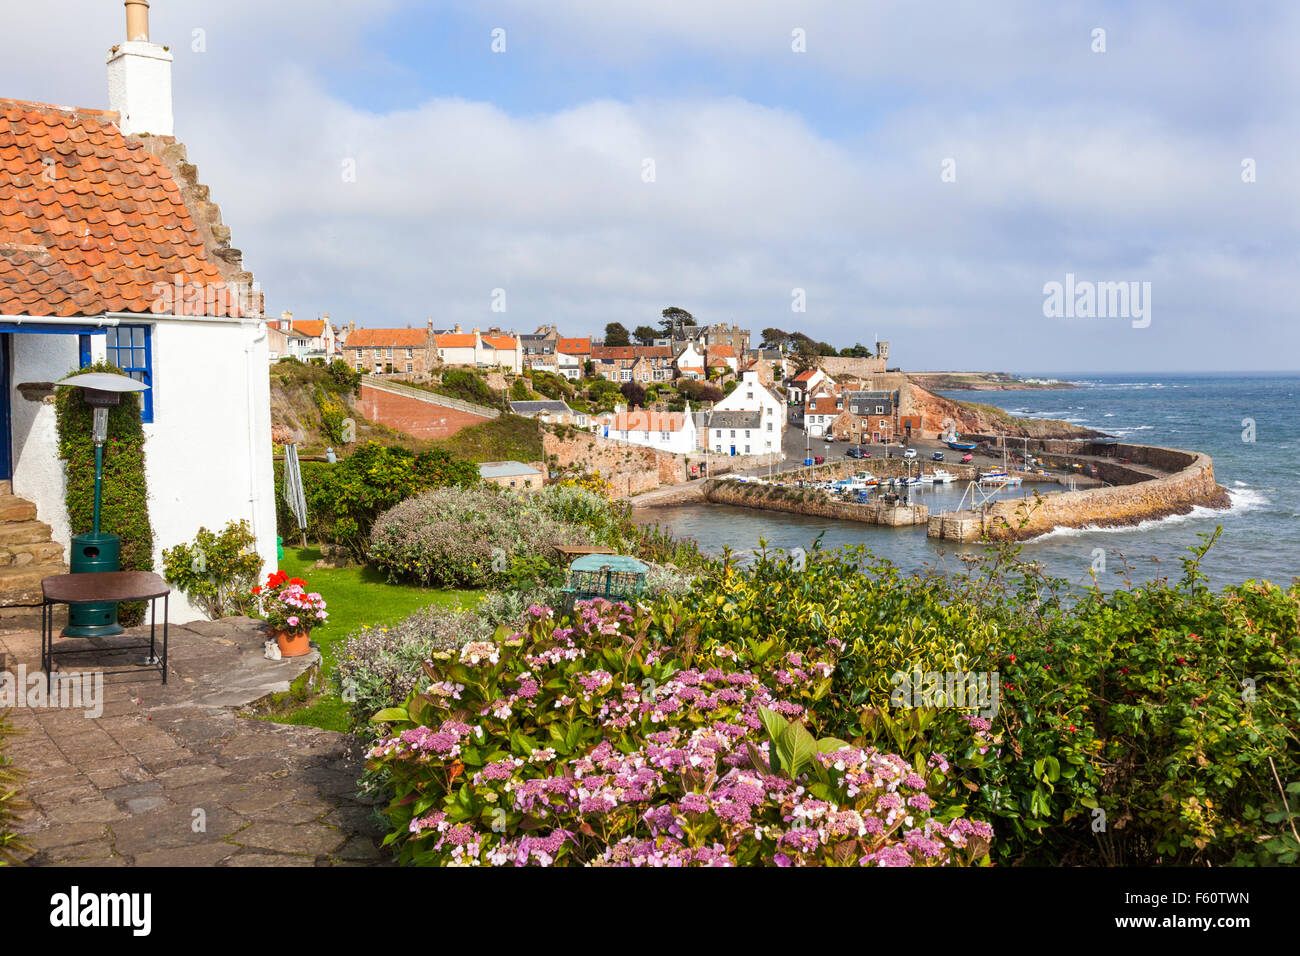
(573, 355)
(667, 431)
(750, 395)
(689, 361)
(803, 384)
(475, 349)
(400, 351)
(549, 412)
(732, 336)
(512, 474)
(302, 339)
(736, 432)
(540, 345)
(823, 407)
(111, 250)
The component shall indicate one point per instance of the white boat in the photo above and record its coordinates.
(999, 478)
(940, 476)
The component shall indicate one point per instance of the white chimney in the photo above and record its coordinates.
(140, 78)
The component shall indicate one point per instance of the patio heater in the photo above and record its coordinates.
(97, 551)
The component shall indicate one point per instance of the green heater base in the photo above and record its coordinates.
(90, 553)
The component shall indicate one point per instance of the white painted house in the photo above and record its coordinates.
(143, 276)
(667, 431)
(751, 395)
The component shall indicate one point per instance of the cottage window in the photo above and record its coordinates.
(733, 433)
(663, 436)
(130, 348)
(409, 366)
(746, 449)
(880, 409)
(410, 353)
(388, 353)
(718, 449)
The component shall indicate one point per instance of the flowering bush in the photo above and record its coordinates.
(591, 744)
(289, 606)
(465, 537)
(216, 570)
(378, 666)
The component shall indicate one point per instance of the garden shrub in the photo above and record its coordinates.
(124, 507)
(468, 386)
(11, 846)
(332, 415)
(379, 665)
(593, 745)
(466, 537)
(344, 499)
(1124, 731)
(217, 572)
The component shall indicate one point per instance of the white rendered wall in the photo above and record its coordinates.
(207, 452)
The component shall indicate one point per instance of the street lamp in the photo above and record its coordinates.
(95, 551)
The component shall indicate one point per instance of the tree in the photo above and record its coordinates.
(646, 334)
(858, 351)
(616, 334)
(674, 320)
(805, 353)
(775, 338)
(634, 394)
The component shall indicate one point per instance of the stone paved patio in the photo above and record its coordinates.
(169, 775)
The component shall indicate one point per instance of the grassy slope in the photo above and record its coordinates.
(355, 596)
(508, 438)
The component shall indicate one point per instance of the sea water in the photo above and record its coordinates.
(1246, 423)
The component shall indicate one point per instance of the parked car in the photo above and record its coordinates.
(967, 458)
(909, 453)
(853, 453)
(829, 438)
(819, 459)
(937, 456)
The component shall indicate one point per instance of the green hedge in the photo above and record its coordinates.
(124, 509)
(344, 499)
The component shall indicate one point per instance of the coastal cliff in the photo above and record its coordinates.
(970, 418)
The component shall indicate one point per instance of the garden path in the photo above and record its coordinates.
(171, 774)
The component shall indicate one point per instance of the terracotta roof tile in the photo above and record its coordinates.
(503, 342)
(106, 213)
(573, 346)
(387, 338)
(454, 340)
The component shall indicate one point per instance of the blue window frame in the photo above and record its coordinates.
(130, 348)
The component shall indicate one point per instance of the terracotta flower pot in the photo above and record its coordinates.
(293, 643)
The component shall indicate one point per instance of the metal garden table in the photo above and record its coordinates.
(101, 588)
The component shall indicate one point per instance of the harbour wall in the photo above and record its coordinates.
(812, 501)
(1154, 483)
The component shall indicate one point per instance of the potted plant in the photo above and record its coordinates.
(291, 612)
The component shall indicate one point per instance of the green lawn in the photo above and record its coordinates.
(354, 596)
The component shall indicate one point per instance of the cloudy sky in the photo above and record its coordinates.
(920, 170)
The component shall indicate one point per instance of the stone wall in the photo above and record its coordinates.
(1191, 485)
(812, 501)
(630, 469)
(835, 366)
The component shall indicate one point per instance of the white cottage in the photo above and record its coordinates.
(751, 395)
(110, 249)
(667, 431)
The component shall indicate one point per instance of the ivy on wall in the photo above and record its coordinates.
(124, 506)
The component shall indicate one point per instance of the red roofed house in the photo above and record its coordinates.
(667, 431)
(111, 250)
(491, 349)
(405, 351)
(304, 339)
(573, 355)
